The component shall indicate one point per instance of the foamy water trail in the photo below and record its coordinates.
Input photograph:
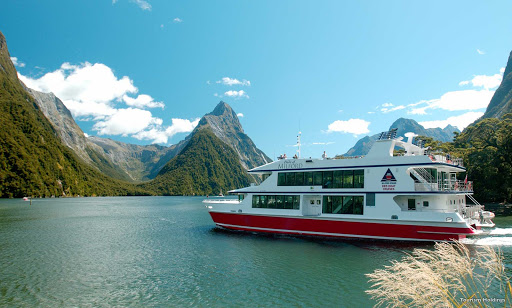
(501, 231)
(494, 241)
(496, 237)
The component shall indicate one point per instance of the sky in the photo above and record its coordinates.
(145, 71)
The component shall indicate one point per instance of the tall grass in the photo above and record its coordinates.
(450, 275)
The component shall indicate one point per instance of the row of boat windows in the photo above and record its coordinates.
(343, 205)
(328, 179)
(276, 202)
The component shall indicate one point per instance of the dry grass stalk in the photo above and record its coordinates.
(449, 276)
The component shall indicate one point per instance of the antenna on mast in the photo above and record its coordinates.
(298, 144)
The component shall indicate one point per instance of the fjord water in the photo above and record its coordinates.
(166, 251)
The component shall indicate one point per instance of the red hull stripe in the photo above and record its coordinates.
(337, 228)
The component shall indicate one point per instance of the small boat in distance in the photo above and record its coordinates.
(411, 194)
(26, 199)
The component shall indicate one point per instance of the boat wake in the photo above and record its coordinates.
(497, 237)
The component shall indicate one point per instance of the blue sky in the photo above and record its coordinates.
(144, 71)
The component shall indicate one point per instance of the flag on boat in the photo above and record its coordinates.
(466, 179)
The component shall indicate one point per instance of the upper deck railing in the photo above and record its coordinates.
(448, 186)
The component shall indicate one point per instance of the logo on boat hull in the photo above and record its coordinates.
(388, 181)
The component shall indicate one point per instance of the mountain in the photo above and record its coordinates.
(224, 123)
(33, 160)
(501, 102)
(205, 166)
(138, 162)
(119, 160)
(403, 125)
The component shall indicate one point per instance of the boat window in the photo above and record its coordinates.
(281, 179)
(370, 199)
(359, 178)
(280, 202)
(425, 203)
(348, 205)
(338, 179)
(411, 204)
(290, 178)
(276, 202)
(255, 201)
(308, 178)
(296, 202)
(343, 205)
(271, 201)
(358, 205)
(263, 201)
(299, 178)
(327, 179)
(348, 178)
(317, 178)
(288, 202)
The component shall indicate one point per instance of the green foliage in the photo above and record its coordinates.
(206, 166)
(33, 161)
(486, 148)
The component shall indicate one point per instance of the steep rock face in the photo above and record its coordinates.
(501, 102)
(62, 121)
(224, 123)
(403, 125)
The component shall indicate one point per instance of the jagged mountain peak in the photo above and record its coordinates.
(223, 109)
(222, 118)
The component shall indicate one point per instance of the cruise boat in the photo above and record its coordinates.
(404, 194)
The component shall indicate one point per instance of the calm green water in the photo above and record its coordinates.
(166, 251)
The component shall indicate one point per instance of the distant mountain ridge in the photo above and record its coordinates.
(117, 159)
(501, 102)
(403, 126)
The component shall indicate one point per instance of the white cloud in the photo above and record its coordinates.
(236, 94)
(502, 70)
(457, 100)
(162, 26)
(143, 4)
(472, 99)
(340, 111)
(233, 82)
(461, 121)
(480, 52)
(371, 112)
(93, 92)
(125, 122)
(143, 100)
(160, 135)
(487, 82)
(240, 115)
(17, 62)
(388, 107)
(352, 126)
(322, 143)
(88, 89)
(177, 20)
